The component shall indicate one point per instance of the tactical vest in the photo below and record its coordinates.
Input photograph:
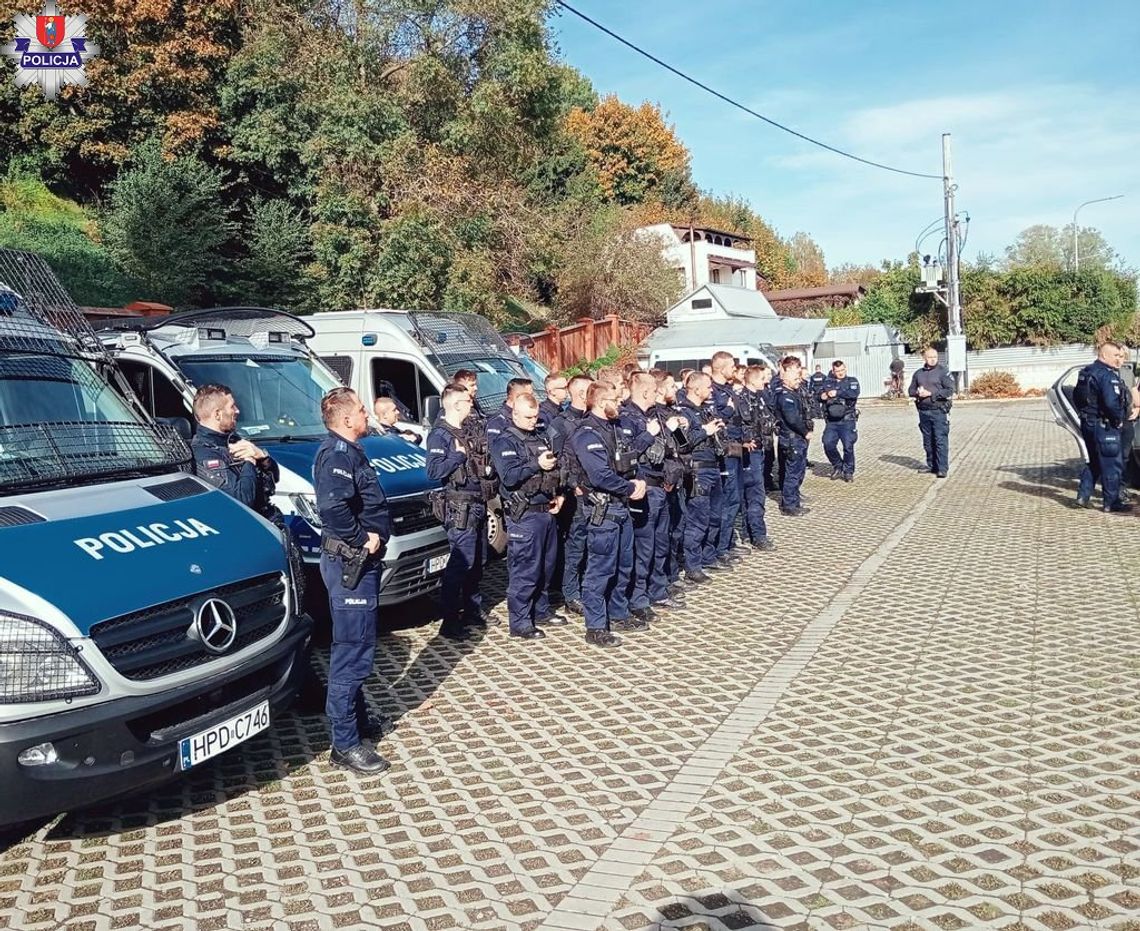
(544, 482)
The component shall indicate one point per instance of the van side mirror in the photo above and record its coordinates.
(431, 409)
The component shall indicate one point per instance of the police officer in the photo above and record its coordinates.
(528, 470)
(932, 388)
(1100, 399)
(759, 424)
(225, 460)
(815, 386)
(355, 525)
(557, 391)
(676, 452)
(645, 434)
(607, 468)
(795, 431)
(571, 517)
(389, 418)
(838, 397)
(501, 420)
(702, 499)
(463, 510)
(728, 409)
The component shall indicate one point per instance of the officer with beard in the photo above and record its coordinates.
(572, 517)
(608, 469)
(727, 408)
(702, 501)
(795, 432)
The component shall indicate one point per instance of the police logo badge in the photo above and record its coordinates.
(50, 50)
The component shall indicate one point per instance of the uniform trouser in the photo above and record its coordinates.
(353, 649)
(1127, 438)
(935, 427)
(609, 565)
(1103, 444)
(794, 449)
(732, 485)
(459, 586)
(752, 478)
(574, 549)
(676, 504)
(836, 432)
(705, 486)
(768, 447)
(531, 552)
(650, 548)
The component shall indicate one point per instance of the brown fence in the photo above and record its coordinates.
(585, 340)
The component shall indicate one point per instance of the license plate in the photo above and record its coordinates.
(436, 563)
(220, 737)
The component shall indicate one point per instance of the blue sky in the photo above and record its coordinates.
(1042, 99)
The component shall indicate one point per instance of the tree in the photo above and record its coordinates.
(635, 153)
(278, 248)
(166, 225)
(809, 270)
(1044, 246)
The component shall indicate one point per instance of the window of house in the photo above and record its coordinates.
(701, 303)
(714, 275)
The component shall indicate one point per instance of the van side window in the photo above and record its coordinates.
(341, 367)
(408, 382)
(155, 390)
(139, 376)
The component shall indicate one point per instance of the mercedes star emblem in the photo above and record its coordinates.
(215, 625)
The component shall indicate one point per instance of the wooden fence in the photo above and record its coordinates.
(558, 348)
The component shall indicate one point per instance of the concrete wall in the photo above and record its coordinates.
(1032, 366)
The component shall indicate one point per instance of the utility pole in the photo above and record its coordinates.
(1076, 229)
(955, 340)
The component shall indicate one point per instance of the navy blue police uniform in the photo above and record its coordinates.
(764, 402)
(795, 425)
(814, 385)
(728, 408)
(572, 518)
(650, 515)
(841, 423)
(532, 535)
(752, 463)
(238, 478)
(609, 531)
(497, 423)
(464, 514)
(351, 505)
(934, 414)
(676, 455)
(1101, 398)
(547, 411)
(702, 500)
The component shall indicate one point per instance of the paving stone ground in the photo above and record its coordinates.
(922, 712)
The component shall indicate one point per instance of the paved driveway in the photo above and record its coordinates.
(921, 712)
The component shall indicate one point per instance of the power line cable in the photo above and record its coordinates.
(737, 104)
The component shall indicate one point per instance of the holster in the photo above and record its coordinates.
(517, 505)
(599, 507)
(353, 559)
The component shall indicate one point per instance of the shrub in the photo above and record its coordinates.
(995, 385)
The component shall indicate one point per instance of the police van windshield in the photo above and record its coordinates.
(279, 396)
(61, 423)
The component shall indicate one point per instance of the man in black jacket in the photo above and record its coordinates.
(932, 388)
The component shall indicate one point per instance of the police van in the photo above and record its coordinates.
(415, 354)
(263, 357)
(148, 622)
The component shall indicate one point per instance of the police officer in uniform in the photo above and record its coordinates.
(644, 433)
(355, 526)
(673, 472)
(1101, 400)
(608, 469)
(571, 517)
(932, 388)
(795, 432)
(528, 470)
(727, 407)
(557, 391)
(462, 509)
(759, 424)
(702, 500)
(838, 397)
(225, 460)
(501, 420)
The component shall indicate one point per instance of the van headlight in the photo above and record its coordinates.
(305, 506)
(38, 664)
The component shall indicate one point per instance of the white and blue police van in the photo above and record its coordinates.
(262, 356)
(414, 354)
(148, 622)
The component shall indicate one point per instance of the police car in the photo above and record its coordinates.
(262, 355)
(148, 622)
(1064, 409)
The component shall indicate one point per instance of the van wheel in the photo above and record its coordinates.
(496, 527)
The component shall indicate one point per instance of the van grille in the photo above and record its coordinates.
(410, 515)
(156, 641)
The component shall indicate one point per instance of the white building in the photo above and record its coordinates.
(706, 256)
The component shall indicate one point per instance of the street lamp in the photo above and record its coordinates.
(1076, 248)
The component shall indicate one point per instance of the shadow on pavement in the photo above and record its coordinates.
(1057, 481)
(723, 910)
(907, 462)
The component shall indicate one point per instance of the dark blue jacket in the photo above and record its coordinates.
(547, 411)
(792, 413)
(727, 407)
(938, 382)
(445, 463)
(499, 422)
(214, 463)
(595, 444)
(847, 389)
(1101, 396)
(515, 453)
(703, 453)
(634, 427)
(349, 497)
(558, 433)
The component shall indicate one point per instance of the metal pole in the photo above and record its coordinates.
(1076, 246)
(953, 296)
